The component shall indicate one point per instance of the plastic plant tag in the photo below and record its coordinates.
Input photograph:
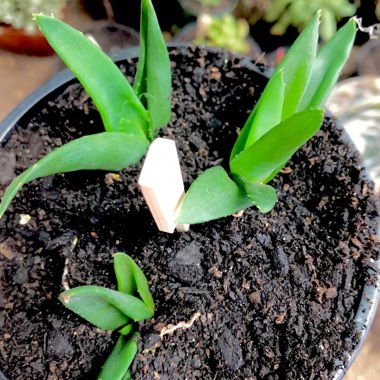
(161, 184)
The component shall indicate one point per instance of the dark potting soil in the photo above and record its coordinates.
(257, 297)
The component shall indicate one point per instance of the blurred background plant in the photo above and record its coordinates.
(223, 31)
(18, 13)
(298, 13)
(210, 2)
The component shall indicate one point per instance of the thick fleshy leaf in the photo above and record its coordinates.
(211, 196)
(259, 161)
(153, 77)
(119, 360)
(297, 66)
(103, 151)
(126, 330)
(326, 69)
(130, 278)
(94, 307)
(142, 286)
(269, 111)
(120, 108)
(124, 273)
(263, 196)
(105, 307)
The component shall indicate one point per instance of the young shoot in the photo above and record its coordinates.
(288, 113)
(132, 116)
(115, 311)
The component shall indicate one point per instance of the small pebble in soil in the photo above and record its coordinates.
(21, 276)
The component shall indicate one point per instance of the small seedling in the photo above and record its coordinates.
(132, 116)
(288, 113)
(115, 310)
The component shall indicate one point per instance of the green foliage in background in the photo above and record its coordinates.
(228, 32)
(299, 12)
(18, 13)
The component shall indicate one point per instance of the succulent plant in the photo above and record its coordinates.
(299, 12)
(226, 31)
(18, 13)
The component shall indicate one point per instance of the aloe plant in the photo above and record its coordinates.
(132, 116)
(116, 311)
(288, 113)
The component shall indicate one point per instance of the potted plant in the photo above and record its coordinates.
(244, 297)
(18, 32)
(223, 31)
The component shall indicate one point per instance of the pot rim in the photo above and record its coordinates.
(369, 299)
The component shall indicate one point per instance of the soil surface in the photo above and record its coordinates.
(257, 297)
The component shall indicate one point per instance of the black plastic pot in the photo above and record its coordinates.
(369, 299)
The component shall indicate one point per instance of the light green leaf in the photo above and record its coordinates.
(130, 278)
(153, 77)
(297, 65)
(211, 196)
(118, 362)
(120, 108)
(126, 330)
(329, 62)
(142, 286)
(274, 11)
(328, 24)
(263, 196)
(269, 111)
(91, 305)
(105, 308)
(103, 151)
(124, 273)
(259, 161)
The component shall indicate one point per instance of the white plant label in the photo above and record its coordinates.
(161, 184)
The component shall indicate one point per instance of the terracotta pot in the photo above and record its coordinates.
(22, 42)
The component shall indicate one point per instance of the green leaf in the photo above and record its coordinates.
(131, 278)
(263, 196)
(103, 151)
(120, 108)
(274, 11)
(211, 196)
(119, 360)
(126, 330)
(329, 62)
(105, 308)
(124, 273)
(259, 161)
(142, 286)
(269, 110)
(153, 77)
(91, 305)
(328, 24)
(297, 65)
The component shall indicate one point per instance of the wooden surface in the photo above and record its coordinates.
(19, 75)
